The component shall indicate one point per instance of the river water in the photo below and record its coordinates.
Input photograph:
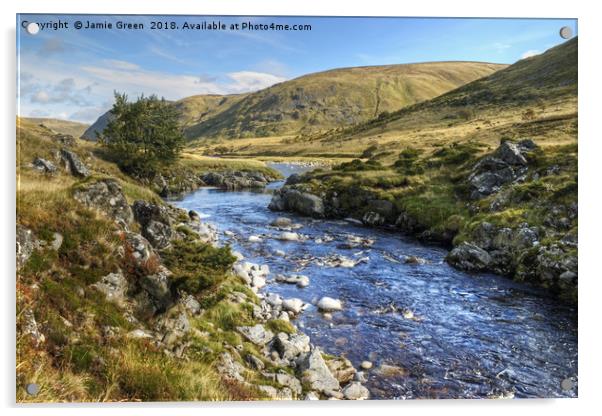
(447, 333)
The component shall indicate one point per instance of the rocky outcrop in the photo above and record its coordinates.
(73, 164)
(43, 165)
(507, 164)
(106, 196)
(304, 203)
(316, 373)
(155, 223)
(236, 180)
(113, 286)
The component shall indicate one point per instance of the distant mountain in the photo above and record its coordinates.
(320, 101)
(73, 128)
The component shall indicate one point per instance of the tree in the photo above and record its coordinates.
(144, 135)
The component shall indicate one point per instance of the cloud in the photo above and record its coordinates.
(252, 81)
(52, 46)
(501, 47)
(530, 53)
(117, 64)
(65, 91)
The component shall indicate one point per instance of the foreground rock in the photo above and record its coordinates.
(316, 373)
(26, 244)
(155, 223)
(327, 304)
(469, 257)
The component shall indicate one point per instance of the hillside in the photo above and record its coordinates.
(320, 101)
(71, 128)
(534, 97)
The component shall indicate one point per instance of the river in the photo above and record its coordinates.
(455, 335)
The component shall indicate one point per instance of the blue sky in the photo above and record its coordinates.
(71, 74)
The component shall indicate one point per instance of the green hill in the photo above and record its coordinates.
(320, 101)
(72, 128)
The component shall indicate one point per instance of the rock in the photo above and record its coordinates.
(57, 241)
(360, 376)
(285, 380)
(154, 221)
(139, 333)
(373, 219)
(327, 304)
(27, 243)
(190, 303)
(386, 370)
(288, 236)
(505, 165)
(113, 286)
(238, 255)
(254, 239)
(296, 279)
(293, 305)
(207, 232)
(30, 327)
(294, 179)
(275, 394)
(315, 373)
(414, 260)
(43, 165)
(254, 362)
(229, 368)
(194, 216)
(279, 253)
(257, 334)
(236, 180)
(312, 395)
(336, 260)
(105, 195)
(469, 257)
(274, 300)
(138, 248)
(290, 347)
(158, 287)
(342, 369)
(282, 222)
(304, 203)
(355, 391)
(366, 365)
(174, 324)
(73, 164)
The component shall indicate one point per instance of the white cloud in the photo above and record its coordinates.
(252, 81)
(530, 53)
(117, 64)
(40, 97)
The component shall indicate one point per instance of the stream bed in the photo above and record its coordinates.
(430, 330)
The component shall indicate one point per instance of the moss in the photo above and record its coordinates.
(278, 325)
(197, 266)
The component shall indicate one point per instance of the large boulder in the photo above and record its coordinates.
(304, 203)
(508, 163)
(73, 164)
(138, 248)
(106, 196)
(291, 347)
(155, 223)
(469, 257)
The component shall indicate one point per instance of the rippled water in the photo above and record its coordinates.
(454, 335)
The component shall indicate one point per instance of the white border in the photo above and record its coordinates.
(590, 152)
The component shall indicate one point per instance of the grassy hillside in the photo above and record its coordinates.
(72, 128)
(320, 101)
(76, 343)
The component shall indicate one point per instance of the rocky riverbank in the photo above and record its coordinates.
(512, 211)
(142, 290)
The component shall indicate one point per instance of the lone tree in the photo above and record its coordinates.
(143, 136)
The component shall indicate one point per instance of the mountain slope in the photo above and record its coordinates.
(72, 128)
(319, 101)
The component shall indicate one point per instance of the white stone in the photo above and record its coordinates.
(327, 304)
(293, 305)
